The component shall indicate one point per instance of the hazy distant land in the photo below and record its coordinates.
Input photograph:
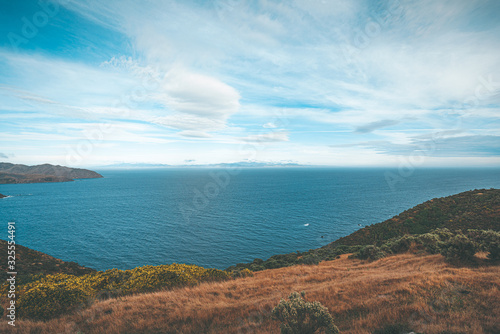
(239, 164)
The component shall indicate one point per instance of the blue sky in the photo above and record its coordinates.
(340, 83)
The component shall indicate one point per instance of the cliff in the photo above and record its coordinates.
(15, 173)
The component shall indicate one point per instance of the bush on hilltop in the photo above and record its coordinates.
(43, 302)
(298, 316)
(458, 248)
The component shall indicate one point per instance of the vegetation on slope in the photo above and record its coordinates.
(477, 209)
(408, 292)
(48, 296)
(458, 247)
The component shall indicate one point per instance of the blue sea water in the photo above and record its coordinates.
(212, 218)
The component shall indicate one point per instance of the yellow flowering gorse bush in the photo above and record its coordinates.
(53, 295)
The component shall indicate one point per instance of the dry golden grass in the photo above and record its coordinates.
(423, 291)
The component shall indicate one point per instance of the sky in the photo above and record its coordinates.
(314, 82)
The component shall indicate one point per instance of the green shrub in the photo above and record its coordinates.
(443, 233)
(343, 249)
(272, 264)
(43, 302)
(493, 246)
(246, 273)
(310, 259)
(458, 248)
(402, 244)
(487, 241)
(256, 267)
(430, 241)
(370, 252)
(212, 274)
(242, 273)
(298, 316)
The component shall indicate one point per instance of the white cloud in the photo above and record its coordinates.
(199, 95)
(183, 121)
(195, 102)
(269, 125)
(194, 134)
(277, 136)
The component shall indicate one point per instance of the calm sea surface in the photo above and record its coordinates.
(210, 218)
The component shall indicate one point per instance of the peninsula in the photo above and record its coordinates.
(15, 173)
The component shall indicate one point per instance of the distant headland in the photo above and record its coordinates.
(15, 173)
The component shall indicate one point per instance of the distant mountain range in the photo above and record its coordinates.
(220, 165)
(135, 165)
(14, 173)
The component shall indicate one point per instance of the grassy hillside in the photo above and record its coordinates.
(475, 209)
(409, 292)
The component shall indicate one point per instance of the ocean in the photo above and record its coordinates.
(215, 217)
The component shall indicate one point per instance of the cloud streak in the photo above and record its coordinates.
(370, 127)
(277, 136)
